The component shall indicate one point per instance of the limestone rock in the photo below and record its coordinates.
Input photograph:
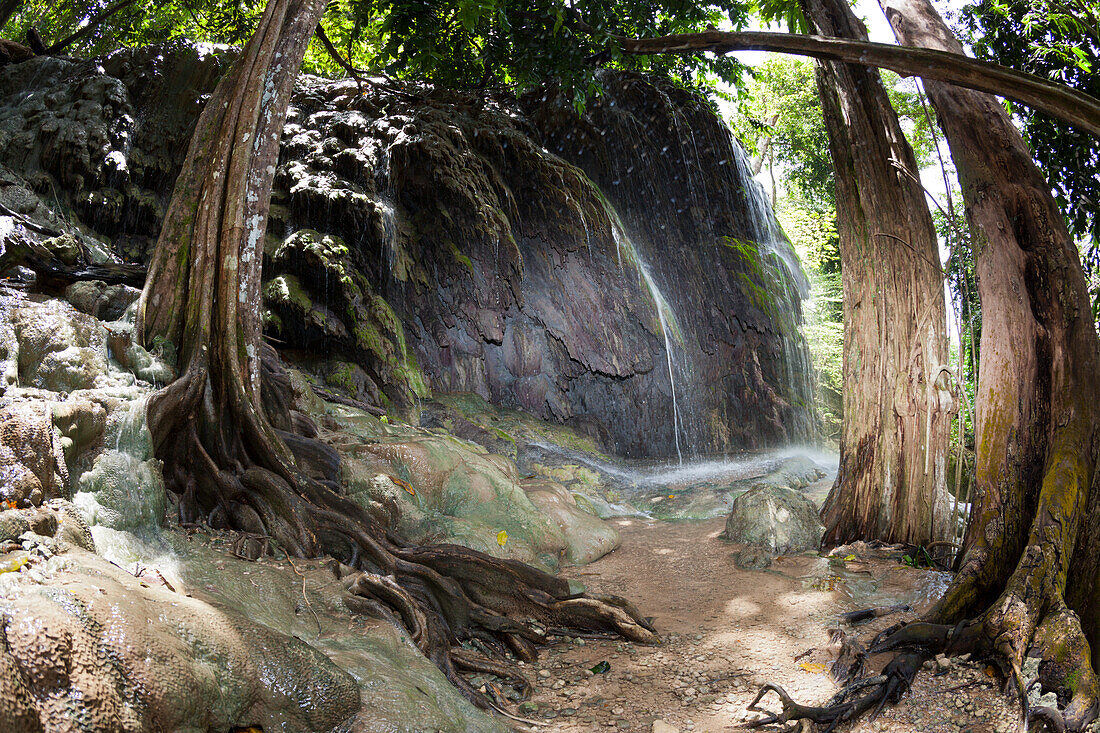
(512, 249)
(753, 558)
(170, 662)
(587, 537)
(60, 349)
(32, 463)
(776, 518)
(96, 298)
(65, 248)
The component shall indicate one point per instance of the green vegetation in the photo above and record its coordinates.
(1059, 41)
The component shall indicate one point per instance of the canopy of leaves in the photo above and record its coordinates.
(1059, 40)
(780, 111)
(521, 43)
(132, 22)
(455, 43)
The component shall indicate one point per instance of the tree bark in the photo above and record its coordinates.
(892, 483)
(7, 9)
(1029, 562)
(224, 430)
(1055, 99)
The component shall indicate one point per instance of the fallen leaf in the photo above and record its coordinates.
(602, 668)
(502, 537)
(404, 484)
(812, 667)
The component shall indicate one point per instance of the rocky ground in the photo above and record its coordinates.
(729, 631)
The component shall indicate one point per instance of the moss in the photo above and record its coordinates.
(464, 260)
(287, 290)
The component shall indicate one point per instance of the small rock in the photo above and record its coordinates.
(943, 663)
(660, 726)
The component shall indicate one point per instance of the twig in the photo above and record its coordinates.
(304, 596)
(506, 714)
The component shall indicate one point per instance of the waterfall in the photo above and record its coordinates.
(665, 316)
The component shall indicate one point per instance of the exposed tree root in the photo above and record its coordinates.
(1015, 626)
(464, 610)
(849, 704)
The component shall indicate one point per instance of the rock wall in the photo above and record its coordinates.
(618, 271)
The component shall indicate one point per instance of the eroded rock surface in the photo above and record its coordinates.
(590, 270)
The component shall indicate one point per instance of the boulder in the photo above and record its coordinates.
(587, 537)
(777, 518)
(97, 298)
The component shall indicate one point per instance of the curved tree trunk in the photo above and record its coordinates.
(1029, 576)
(1029, 562)
(1055, 99)
(892, 483)
(226, 436)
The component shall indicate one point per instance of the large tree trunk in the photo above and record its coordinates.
(1034, 529)
(892, 482)
(226, 436)
(1028, 581)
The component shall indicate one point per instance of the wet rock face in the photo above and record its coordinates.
(618, 272)
(550, 262)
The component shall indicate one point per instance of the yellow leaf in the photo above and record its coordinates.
(14, 566)
(502, 537)
(812, 667)
(849, 558)
(404, 484)
(672, 496)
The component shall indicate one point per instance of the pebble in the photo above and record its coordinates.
(660, 726)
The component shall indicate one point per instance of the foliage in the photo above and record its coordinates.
(780, 110)
(456, 43)
(139, 23)
(1058, 40)
(520, 43)
(780, 107)
(813, 233)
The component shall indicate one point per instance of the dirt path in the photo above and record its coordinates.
(730, 630)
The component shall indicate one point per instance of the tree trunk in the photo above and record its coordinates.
(1034, 529)
(7, 9)
(226, 436)
(1028, 582)
(1055, 99)
(892, 483)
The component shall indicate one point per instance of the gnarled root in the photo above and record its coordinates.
(269, 477)
(847, 704)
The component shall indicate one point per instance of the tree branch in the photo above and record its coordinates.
(7, 9)
(94, 22)
(1055, 99)
(345, 64)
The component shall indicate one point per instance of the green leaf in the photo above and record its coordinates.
(602, 668)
